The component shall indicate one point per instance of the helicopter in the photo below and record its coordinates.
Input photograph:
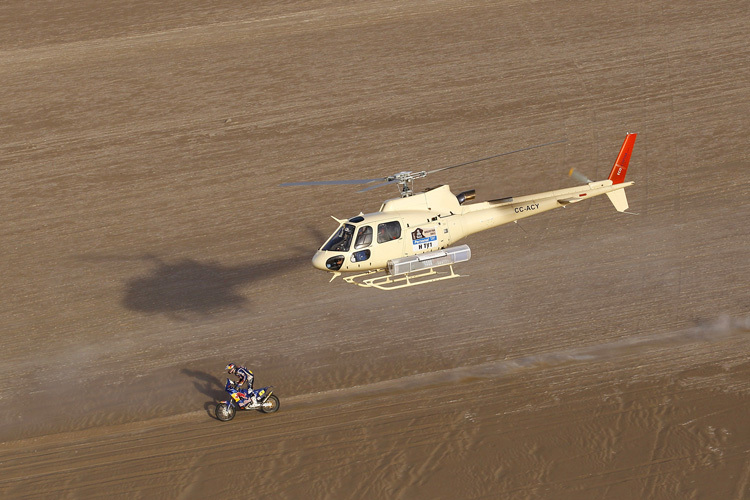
(409, 240)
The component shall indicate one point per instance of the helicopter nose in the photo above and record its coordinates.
(319, 261)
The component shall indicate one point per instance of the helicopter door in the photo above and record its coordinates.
(389, 231)
(361, 244)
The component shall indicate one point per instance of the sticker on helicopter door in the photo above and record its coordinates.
(424, 238)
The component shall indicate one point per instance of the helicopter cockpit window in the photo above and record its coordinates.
(389, 231)
(341, 239)
(364, 237)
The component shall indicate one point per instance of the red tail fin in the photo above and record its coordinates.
(617, 175)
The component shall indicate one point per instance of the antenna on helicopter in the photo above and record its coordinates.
(405, 179)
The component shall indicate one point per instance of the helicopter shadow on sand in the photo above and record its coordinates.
(187, 288)
(191, 287)
(208, 385)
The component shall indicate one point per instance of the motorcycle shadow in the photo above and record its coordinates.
(208, 385)
(210, 408)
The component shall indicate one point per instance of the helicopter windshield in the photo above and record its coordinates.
(341, 239)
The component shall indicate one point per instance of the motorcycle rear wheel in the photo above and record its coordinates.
(271, 405)
(225, 412)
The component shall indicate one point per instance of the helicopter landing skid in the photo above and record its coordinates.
(386, 281)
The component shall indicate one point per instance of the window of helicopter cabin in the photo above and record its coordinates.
(341, 239)
(389, 231)
(360, 255)
(364, 237)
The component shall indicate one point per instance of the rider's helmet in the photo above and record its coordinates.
(231, 368)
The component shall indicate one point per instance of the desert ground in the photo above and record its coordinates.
(146, 243)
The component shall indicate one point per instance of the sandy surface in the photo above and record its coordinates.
(146, 243)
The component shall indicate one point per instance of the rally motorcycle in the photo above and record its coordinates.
(266, 402)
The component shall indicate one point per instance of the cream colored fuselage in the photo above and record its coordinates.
(435, 220)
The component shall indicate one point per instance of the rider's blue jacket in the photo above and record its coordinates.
(245, 375)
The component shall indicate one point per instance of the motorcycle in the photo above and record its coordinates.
(265, 401)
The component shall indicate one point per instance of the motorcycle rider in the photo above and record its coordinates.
(244, 375)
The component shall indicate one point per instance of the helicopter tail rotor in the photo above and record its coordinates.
(578, 176)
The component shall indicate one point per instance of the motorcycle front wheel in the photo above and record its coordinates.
(271, 405)
(225, 412)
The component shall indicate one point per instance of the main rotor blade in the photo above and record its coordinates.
(328, 183)
(497, 156)
(377, 185)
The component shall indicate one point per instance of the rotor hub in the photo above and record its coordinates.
(405, 180)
